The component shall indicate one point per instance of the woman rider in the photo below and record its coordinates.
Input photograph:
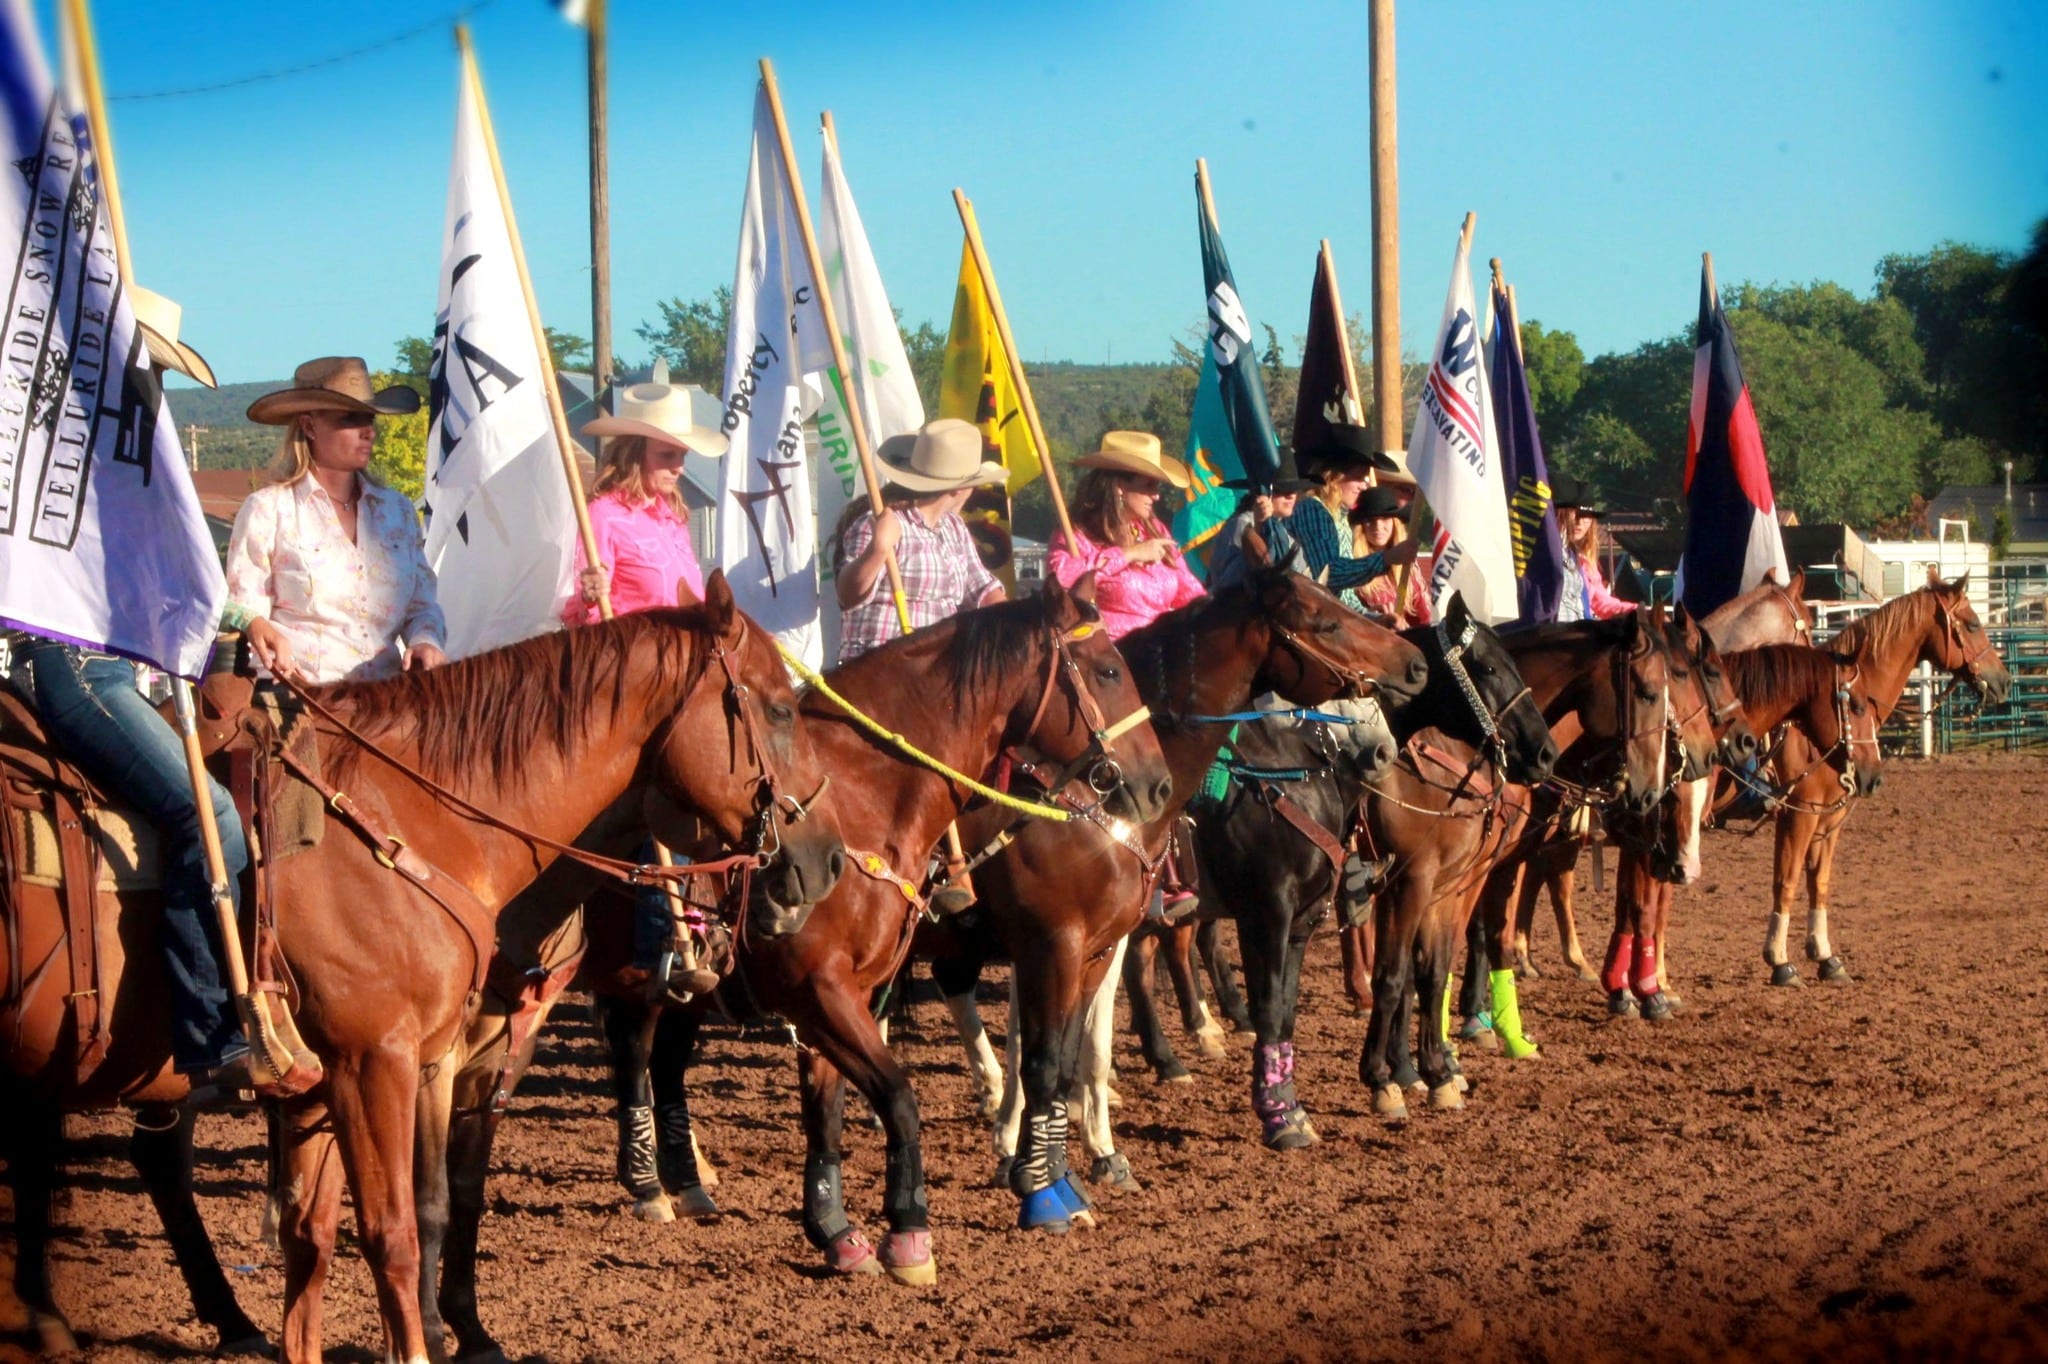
(645, 561)
(1343, 467)
(1378, 518)
(1585, 595)
(1139, 573)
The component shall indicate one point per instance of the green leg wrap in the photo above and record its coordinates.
(1507, 1016)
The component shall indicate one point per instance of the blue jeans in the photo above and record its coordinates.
(92, 710)
(654, 925)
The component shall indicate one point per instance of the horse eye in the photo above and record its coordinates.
(1646, 693)
(1714, 673)
(782, 714)
(1109, 672)
(1325, 627)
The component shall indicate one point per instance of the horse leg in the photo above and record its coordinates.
(1354, 942)
(470, 1134)
(1794, 836)
(957, 980)
(309, 1215)
(375, 1101)
(1216, 961)
(629, 1033)
(1187, 985)
(1264, 923)
(1563, 885)
(431, 1122)
(161, 1149)
(1010, 1115)
(1621, 946)
(1494, 919)
(1477, 1019)
(1820, 875)
(668, 1066)
(1050, 1015)
(826, 1225)
(1391, 981)
(1654, 896)
(1432, 1000)
(1110, 1166)
(33, 1137)
(1166, 1067)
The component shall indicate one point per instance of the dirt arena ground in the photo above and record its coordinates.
(1847, 1172)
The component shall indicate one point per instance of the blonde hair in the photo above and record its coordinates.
(1326, 492)
(294, 458)
(623, 469)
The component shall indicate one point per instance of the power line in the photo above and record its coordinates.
(442, 24)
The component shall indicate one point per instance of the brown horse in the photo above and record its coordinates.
(1060, 900)
(1933, 625)
(386, 923)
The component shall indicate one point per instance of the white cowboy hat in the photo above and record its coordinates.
(1136, 452)
(661, 411)
(158, 317)
(939, 457)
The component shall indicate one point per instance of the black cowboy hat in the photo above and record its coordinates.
(1287, 481)
(1345, 447)
(1566, 491)
(1376, 501)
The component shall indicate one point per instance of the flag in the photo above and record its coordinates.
(1731, 518)
(767, 530)
(1532, 521)
(1328, 387)
(883, 382)
(501, 526)
(101, 537)
(1231, 433)
(1453, 457)
(975, 386)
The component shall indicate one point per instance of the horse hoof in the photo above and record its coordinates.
(1447, 1096)
(1079, 1211)
(1173, 1073)
(250, 1345)
(1622, 1004)
(990, 1107)
(1526, 970)
(1292, 1133)
(907, 1256)
(53, 1333)
(1115, 1100)
(1834, 971)
(1655, 1006)
(1209, 1041)
(1475, 1027)
(1586, 973)
(1115, 1171)
(1390, 1101)
(1464, 1085)
(1001, 1178)
(655, 1209)
(1044, 1211)
(852, 1253)
(694, 1202)
(1785, 973)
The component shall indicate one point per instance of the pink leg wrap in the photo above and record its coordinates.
(1621, 950)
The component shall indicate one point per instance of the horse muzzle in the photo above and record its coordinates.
(788, 887)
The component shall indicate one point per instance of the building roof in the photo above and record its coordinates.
(2029, 509)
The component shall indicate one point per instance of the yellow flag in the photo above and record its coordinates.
(976, 383)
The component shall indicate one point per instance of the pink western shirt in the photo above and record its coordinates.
(647, 548)
(1129, 595)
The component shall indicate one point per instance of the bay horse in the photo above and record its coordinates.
(1060, 901)
(480, 772)
(1038, 671)
(1935, 625)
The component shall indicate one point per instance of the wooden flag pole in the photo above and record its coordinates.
(595, 36)
(1713, 289)
(856, 421)
(972, 227)
(560, 418)
(278, 1058)
(1386, 232)
(1356, 399)
(1515, 326)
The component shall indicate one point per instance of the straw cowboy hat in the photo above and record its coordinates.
(333, 383)
(158, 317)
(939, 457)
(661, 411)
(1136, 452)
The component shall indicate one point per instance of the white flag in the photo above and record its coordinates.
(500, 525)
(883, 383)
(767, 528)
(101, 537)
(1454, 458)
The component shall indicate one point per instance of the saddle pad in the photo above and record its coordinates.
(129, 847)
(298, 815)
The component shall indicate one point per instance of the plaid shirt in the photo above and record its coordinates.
(942, 575)
(1323, 545)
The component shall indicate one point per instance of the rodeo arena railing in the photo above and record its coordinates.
(1932, 718)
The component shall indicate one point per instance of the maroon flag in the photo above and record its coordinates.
(1329, 389)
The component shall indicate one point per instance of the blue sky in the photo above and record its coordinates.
(1602, 146)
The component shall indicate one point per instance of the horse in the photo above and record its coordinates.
(1935, 625)
(1821, 698)
(1060, 901)
(451, 790)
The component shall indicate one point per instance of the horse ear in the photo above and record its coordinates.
(1256, 552)
(1067, 607)
(1797, 586)
(1456, 614)
(720, 610)
(1323, 576)
(1960, 585)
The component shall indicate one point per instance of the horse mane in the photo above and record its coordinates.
(1612, 630)
(1882, 630)
(483, 715)
(1772, 675)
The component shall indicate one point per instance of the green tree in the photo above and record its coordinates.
(926, 347)
(399, 457)
(1556, 368)
(691, 337)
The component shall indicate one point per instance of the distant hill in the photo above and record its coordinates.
(217, 419)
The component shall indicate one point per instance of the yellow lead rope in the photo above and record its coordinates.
(917, 755)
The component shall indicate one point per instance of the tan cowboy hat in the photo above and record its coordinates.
(662, 411)
(158, 317)
(333, 383)
(1136, 452)
(941, 456)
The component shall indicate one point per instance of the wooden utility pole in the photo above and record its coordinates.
(600, 212)
(1386, 235)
